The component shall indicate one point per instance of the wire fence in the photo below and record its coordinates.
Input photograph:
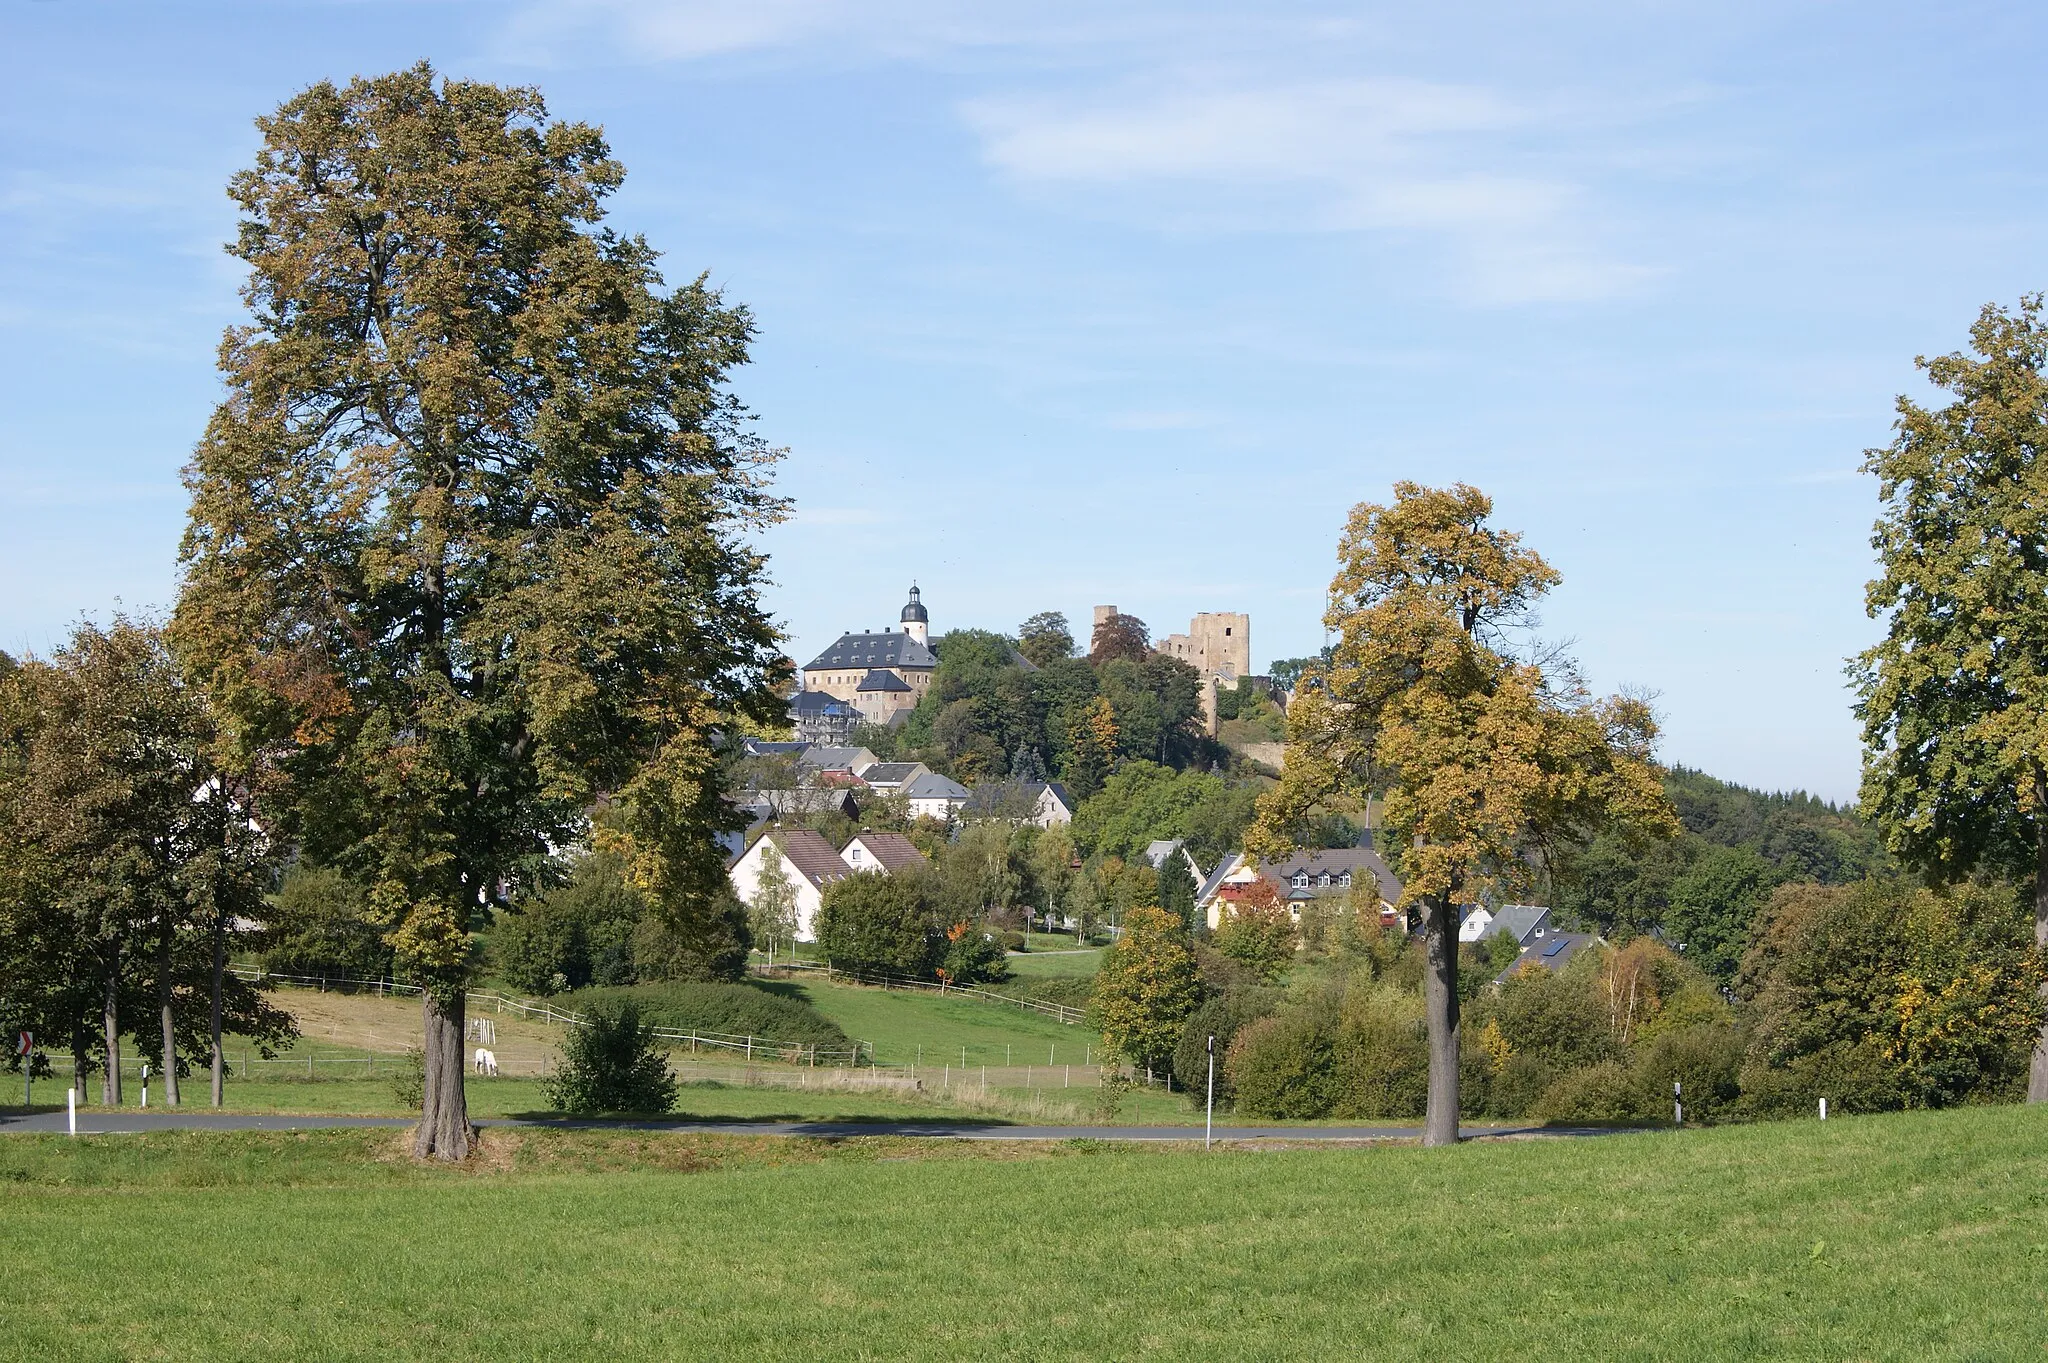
(751, 1048)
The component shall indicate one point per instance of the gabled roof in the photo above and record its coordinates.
(1059, 792)
(761, 747)
(879, 679)
(1357, 861)
(821, 757)
(1518, 921)
(892, 850)
(1159, 851)
(932, 786)
(1214, 881)
(1549, 952)
(887, 649)
(818, 703)
(812, 856)
(890, 773)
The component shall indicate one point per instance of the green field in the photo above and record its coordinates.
(898, 1022)
(1061, 963)
(1909, 1237)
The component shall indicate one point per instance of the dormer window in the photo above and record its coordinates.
(1301, 880)
(1345, 880)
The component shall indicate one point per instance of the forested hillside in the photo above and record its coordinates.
(1704, 888)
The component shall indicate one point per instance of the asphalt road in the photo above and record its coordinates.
(128, 1123)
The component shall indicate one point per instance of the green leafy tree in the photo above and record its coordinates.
(469, 537)
(1091, 748)
(572, 935)
(1177, 888)
(881, 923)
(611, 1064)
(1954, 699)
(318, 923)
(1258, 931)
(1045, 638)
(1478, 755)
(1715, 903)
(772, 914)
(129, 866)
(1145, 989)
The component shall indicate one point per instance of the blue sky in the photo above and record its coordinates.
(1066, 304)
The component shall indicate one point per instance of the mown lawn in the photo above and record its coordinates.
(1913, 1237)
(898, 1022)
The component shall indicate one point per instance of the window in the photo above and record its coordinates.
(1345, 880)
(1301, 880)
(1324, 879)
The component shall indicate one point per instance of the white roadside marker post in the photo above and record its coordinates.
(145, 1085)
(1823, 1109)
(1209, 1114)
(71, 1110)
(1677, 1103)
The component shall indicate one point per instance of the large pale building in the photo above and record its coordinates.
(882, 676)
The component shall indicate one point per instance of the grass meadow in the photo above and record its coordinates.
(1910, 1237)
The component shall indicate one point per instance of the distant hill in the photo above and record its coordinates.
(1803, 835)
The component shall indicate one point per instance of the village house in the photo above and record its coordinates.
(887, 853)
(805, 857)
(1042, 803)
(1300, 878)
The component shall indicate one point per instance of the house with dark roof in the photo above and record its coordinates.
(1523, 922)
(887, 853)
(1302, 877)
(889, 778)
(933, 796)
(820, 717)
(881, 675)
(805, 859)
(1552, 951)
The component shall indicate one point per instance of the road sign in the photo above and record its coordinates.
(26, 1044)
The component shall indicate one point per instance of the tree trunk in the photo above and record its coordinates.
(163, 1003)
(1440, 1002)
(220, 967)
(110, 1028)
(2037, 1073)
(81, 1055)
(444, 1131)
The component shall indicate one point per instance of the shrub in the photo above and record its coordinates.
(882, 923)
(1285, 1065)
(737, 1009)
(1258, 932)
(1382, 1057)
(409, 1085)
(1604, 1092)
(1013, 941)
(973, 956)
(611, 1065)
(1222, 1018)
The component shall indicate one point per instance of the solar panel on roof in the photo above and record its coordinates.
(1559, 945)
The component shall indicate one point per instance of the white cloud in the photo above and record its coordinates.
(1389, 156)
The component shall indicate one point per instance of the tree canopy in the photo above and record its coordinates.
(1954, 699)
(1433, 704)
(468, 543)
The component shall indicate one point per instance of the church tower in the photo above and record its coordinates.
(915, 622)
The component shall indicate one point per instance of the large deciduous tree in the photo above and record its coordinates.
(1954, 700)
(1431, 704)
(467, 552)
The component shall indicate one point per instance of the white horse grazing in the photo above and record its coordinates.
(486, 1061)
